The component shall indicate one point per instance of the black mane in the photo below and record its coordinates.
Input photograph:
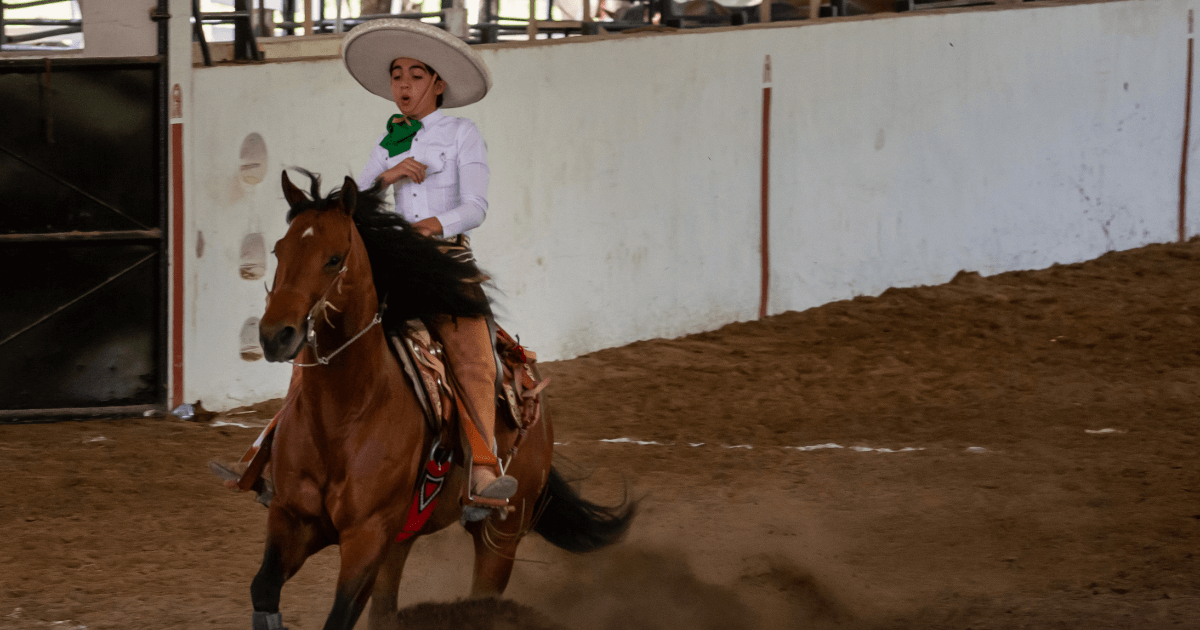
(416, 277)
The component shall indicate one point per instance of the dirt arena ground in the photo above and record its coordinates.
(1040, 472)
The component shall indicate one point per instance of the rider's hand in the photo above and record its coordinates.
(409, 168)
(429, 227)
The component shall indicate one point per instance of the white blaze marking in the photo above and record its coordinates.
(308, 232)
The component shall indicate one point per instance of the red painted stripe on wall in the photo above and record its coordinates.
(176, 264)
(765, 235)
(1187, 124)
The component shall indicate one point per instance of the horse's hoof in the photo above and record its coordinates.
(268, 621)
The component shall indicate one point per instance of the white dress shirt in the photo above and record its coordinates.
(456, 178)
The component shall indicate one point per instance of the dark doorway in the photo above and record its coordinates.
(82, 249)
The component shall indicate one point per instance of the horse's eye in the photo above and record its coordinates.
(334, 261)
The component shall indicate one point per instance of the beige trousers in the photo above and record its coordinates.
(468, 346)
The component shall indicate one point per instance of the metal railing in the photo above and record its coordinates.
(245, 45)
(64, 26)
(492, 27)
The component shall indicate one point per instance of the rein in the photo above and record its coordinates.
(312, 340)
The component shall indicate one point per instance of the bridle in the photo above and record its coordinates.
(319, 309)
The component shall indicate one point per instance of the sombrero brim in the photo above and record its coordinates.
(370, 48)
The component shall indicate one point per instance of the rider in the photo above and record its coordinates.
(437, 166)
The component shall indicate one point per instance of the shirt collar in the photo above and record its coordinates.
(432, 118)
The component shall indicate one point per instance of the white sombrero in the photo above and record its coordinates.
(370, 48)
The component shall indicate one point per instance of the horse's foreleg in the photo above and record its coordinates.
(363, 550)
(495, 550)
(289, 543)
(384, 597)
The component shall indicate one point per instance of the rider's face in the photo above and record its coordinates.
(414, 88)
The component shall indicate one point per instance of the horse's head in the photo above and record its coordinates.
(320, 256)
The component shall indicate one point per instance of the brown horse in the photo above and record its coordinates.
(351, 444)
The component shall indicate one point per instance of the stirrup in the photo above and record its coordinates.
(501, 488)
(493, 496)
(230, 476)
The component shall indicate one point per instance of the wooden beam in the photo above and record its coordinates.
(308, 21)
(66, 237)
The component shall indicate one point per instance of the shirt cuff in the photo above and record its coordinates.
(451, 222)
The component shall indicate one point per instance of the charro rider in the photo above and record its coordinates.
(437, 167)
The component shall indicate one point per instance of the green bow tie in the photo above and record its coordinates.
(399, 138)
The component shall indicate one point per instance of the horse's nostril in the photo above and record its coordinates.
(286, 335)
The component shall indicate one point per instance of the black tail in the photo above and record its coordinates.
(573, 523)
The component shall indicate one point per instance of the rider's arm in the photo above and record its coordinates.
(473, 177)
(374, 168)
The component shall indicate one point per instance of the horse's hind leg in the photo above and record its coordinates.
(289, 543)
(384, 597)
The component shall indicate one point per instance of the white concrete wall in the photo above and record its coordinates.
(625, 189)
(121, 28)
(986, 141)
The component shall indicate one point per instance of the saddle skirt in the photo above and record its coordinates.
(518, 387)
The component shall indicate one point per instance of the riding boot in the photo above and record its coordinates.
(468, 346)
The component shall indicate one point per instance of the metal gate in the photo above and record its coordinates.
(82, 247)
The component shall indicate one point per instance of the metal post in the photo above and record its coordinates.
(455, 18)
(264, 20)
(198, 33)
(245, 45)
(288, 13)
(164, 188)
(337, 20)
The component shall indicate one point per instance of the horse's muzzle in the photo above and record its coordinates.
(280, 342)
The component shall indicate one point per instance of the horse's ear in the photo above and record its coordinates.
(292, 194)
(349, 196)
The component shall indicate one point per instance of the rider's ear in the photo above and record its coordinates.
(349, 196)
(292, 194)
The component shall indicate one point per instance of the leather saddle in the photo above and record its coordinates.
(518, 385)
